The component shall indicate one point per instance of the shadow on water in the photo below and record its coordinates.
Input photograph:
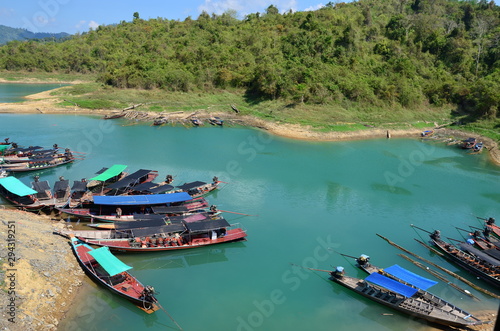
(390, 189)
(180, 259)
(492, 196)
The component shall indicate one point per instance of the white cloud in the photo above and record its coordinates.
(80, 24)
(86, 24)
(6, 12)
(245, 7)
(312, 8)
(93, 24)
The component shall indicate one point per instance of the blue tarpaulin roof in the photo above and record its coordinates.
(108, 261)
(391, 284)
(410, 277)
(137, 200)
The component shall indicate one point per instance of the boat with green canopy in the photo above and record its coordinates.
(107, 176)
(108, 271)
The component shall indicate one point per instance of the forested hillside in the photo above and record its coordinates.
(402, 53)
(8, 34)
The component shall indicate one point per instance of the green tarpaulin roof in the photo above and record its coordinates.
(3, 148)
(110, 173)
(15, 186)
(108, 261)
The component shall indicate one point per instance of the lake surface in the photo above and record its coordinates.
(313, 199)
(10, 92)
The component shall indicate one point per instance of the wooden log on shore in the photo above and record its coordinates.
(133, 106)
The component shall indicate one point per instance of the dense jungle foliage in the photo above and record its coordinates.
(398, 53)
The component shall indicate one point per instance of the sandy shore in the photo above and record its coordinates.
(47, 275)
(45, 103)
(40, 272)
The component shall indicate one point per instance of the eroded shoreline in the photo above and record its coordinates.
(45, 103)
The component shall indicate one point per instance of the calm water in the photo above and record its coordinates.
(16, 92)
(312, 200)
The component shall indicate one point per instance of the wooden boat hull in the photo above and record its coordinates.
(129, 289)
(461, 259)
(410, 306)
(124, 245)
(26, 167)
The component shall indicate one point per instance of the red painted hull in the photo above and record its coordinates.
(124, 284)
(123, 245)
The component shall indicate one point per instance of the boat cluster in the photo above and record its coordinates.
(14, 158)
(407, 292)
(137, 215)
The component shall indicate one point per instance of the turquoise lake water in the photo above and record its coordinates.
(312, 199)
(16, 92)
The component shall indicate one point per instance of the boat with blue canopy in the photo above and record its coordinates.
(406, 299)
(21, 195)
(141, 200)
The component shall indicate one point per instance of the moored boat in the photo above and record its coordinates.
(472, 260)
(478, 147)
(40, 163)
(186, 235)
(404, 298)
(196, 121)
(107, 176)
(108, 271)
(21, 195)
(427, 133)
(124, 207)
(468, 143)
(216, 121)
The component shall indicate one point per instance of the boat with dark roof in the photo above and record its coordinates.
(108, 271)
(404, 298)
(468, 143)
(124, 207)
(469, 258)
(34, 198)
(40, 163)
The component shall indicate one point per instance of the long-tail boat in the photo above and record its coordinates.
(104, 268)
(404, 298)
(469, 258)
(124, 207)
(216, 121)
(408, 278)
(196, 121)
(107, 176)
(24, 197)
(468, 143)
(41, 163)
(177, 234)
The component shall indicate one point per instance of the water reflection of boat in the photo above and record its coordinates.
(185, 259)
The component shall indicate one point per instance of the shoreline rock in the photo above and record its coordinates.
(41, 277)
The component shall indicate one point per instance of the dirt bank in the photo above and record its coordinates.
(46, 103)
(41, 276)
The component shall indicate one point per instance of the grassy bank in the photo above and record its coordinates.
(322, 118)
(338, 117)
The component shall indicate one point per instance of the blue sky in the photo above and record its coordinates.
(73, 16)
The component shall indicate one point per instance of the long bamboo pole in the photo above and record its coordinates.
(441, 268)
(438, 276)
